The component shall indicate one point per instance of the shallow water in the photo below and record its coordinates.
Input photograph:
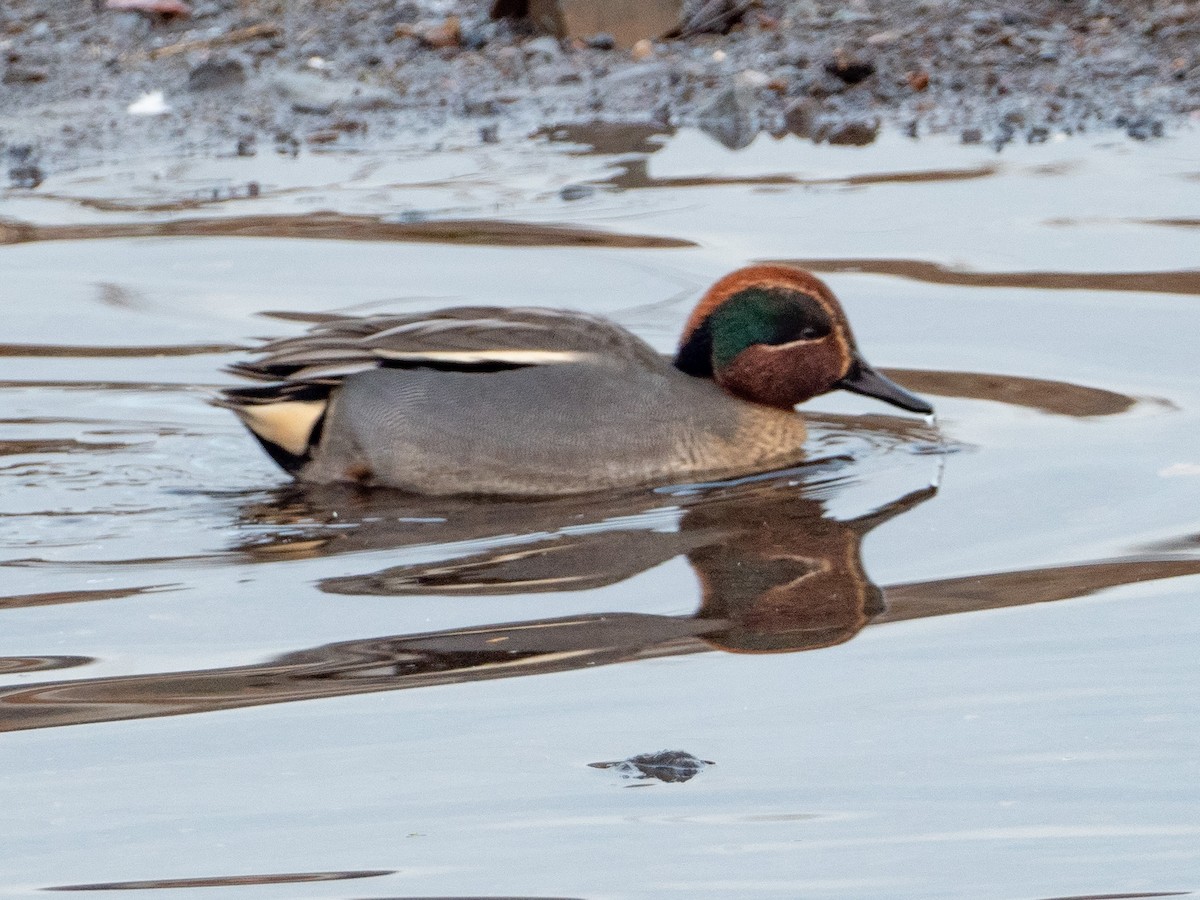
(211, 680)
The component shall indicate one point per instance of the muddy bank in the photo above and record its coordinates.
(242, 76)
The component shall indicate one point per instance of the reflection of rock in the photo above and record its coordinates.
(671, 766)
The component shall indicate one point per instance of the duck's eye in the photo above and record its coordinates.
(809, 332)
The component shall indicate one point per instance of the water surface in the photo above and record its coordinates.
(944, 660)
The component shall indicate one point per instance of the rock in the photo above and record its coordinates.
(752, 78)
(405, 11)
(643, 49)
(918, 80)
(544, 48)
(884, 38)
(1140, 128)
(850, 69)
(286, 144)
(159, 9)
(446, 33)
(151, 103)
(729, 118)
(711, 16)
(601, 41)
(476, 37)
(15, 74)
(800, 117)
(576, 191)
(216, 74)
(489, 134)
(853, 134)
(628, 21)
(311, 93)
(487, 107)
(24, 171)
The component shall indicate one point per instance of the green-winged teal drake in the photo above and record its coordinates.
(535, 402)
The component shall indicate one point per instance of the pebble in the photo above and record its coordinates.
(729, 118)
(576, 191)
(1141, 128)
(24, 171)
(481, 108)
(800, 117)
(25, 74)
(310, 93)
(850, 69)
(601, 41)
(545, 47)
(752, 78)
(853, 134)
(216, 74)
(475, 38)
(643, 49)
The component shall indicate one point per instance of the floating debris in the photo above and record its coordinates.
(671, 766)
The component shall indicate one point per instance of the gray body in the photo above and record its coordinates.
(590, 407)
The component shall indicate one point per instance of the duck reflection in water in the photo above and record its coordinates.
(776, 574)
(776, 571)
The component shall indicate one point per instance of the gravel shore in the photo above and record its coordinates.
(81, 83)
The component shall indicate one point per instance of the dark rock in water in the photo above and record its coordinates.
(576, 191)
(26, 175)
(850, 69)
(1141, 128)
(24, 171)
(489, 134)
(216, 74)
(671, 766)
(800, 117)
(853, 134)
(972, 136)
(729, 118)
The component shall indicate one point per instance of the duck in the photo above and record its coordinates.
(539, 402)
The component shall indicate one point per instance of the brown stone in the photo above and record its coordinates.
(628, 21)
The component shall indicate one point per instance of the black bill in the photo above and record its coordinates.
(862, 379)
